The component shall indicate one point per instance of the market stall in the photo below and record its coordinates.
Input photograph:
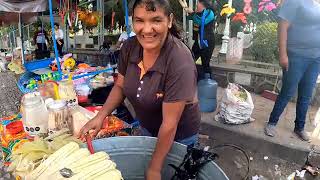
(60, 97)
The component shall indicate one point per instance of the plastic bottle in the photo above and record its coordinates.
(207, 94)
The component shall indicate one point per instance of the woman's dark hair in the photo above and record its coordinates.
(57, 24)
(207, 4)
(151, 5)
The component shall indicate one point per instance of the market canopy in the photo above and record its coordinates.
(21, 6)
(10, 18)
(10, 9)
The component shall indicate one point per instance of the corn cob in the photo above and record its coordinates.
(73, 158)
(93, 169)
(97, 172)
(94, 175)
(88, 161)
(110, 175)
(59, 155)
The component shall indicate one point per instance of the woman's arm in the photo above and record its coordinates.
(114, 99)
(171, 116)
(283, 27)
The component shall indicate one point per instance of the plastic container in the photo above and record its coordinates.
(24, 80)
(34, 115)
(207, 94)
(132, 155)
(59, 117)
(68, 93)
(38, 64)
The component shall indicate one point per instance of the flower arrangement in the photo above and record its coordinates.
(267, 5)
(239, 17)
(227, 10)
(238, 22)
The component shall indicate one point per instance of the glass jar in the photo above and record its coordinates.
(68, 93)
(59, 116)
(34, 115)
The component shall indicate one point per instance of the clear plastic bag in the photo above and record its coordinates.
(236, 105)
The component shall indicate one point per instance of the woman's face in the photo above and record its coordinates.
(56, 27)
(200, 7)
(151, 27)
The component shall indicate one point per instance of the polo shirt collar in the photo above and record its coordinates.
(160, 64)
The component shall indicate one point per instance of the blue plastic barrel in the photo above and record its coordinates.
(133, 153)
(207, 94)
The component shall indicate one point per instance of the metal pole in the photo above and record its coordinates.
(21, 37)
(100, 4)
(28, 31)
(102, 21)
(190, 26)
(54, 38)
(128, 28)
(184, 20)
(226, 33)
(14, 39)
(67, 36)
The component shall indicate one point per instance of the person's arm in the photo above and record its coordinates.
(184, 5)
(180, 88)
(283, 27)
(114, 99)
(287, 14)
(171, 116)
(116, 96)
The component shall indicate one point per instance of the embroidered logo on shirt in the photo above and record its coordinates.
(159, 95)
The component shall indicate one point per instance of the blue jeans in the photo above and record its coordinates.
(189, 141)
(302, 75)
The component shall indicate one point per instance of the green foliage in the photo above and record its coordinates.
(235, 27)
(265, 43)
(117, 7)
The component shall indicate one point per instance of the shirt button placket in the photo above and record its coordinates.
(139, 89)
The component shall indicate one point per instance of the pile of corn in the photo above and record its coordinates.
(30, 155)
(80, 162)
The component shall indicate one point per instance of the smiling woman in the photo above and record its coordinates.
(158, 76)
(152, 24)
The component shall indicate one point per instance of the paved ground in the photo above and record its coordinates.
(9, 104)
(262, 110)
(285, 151)
(9, 94)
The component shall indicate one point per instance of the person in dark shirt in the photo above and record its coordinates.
(158, 76)
(40, 37)
(203, 32)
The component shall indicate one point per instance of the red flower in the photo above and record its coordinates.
(240, 17)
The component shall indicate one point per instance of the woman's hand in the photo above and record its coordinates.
(183, 3)
(94, 124)
(188, 10)
(153, 174)
(284, 62)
